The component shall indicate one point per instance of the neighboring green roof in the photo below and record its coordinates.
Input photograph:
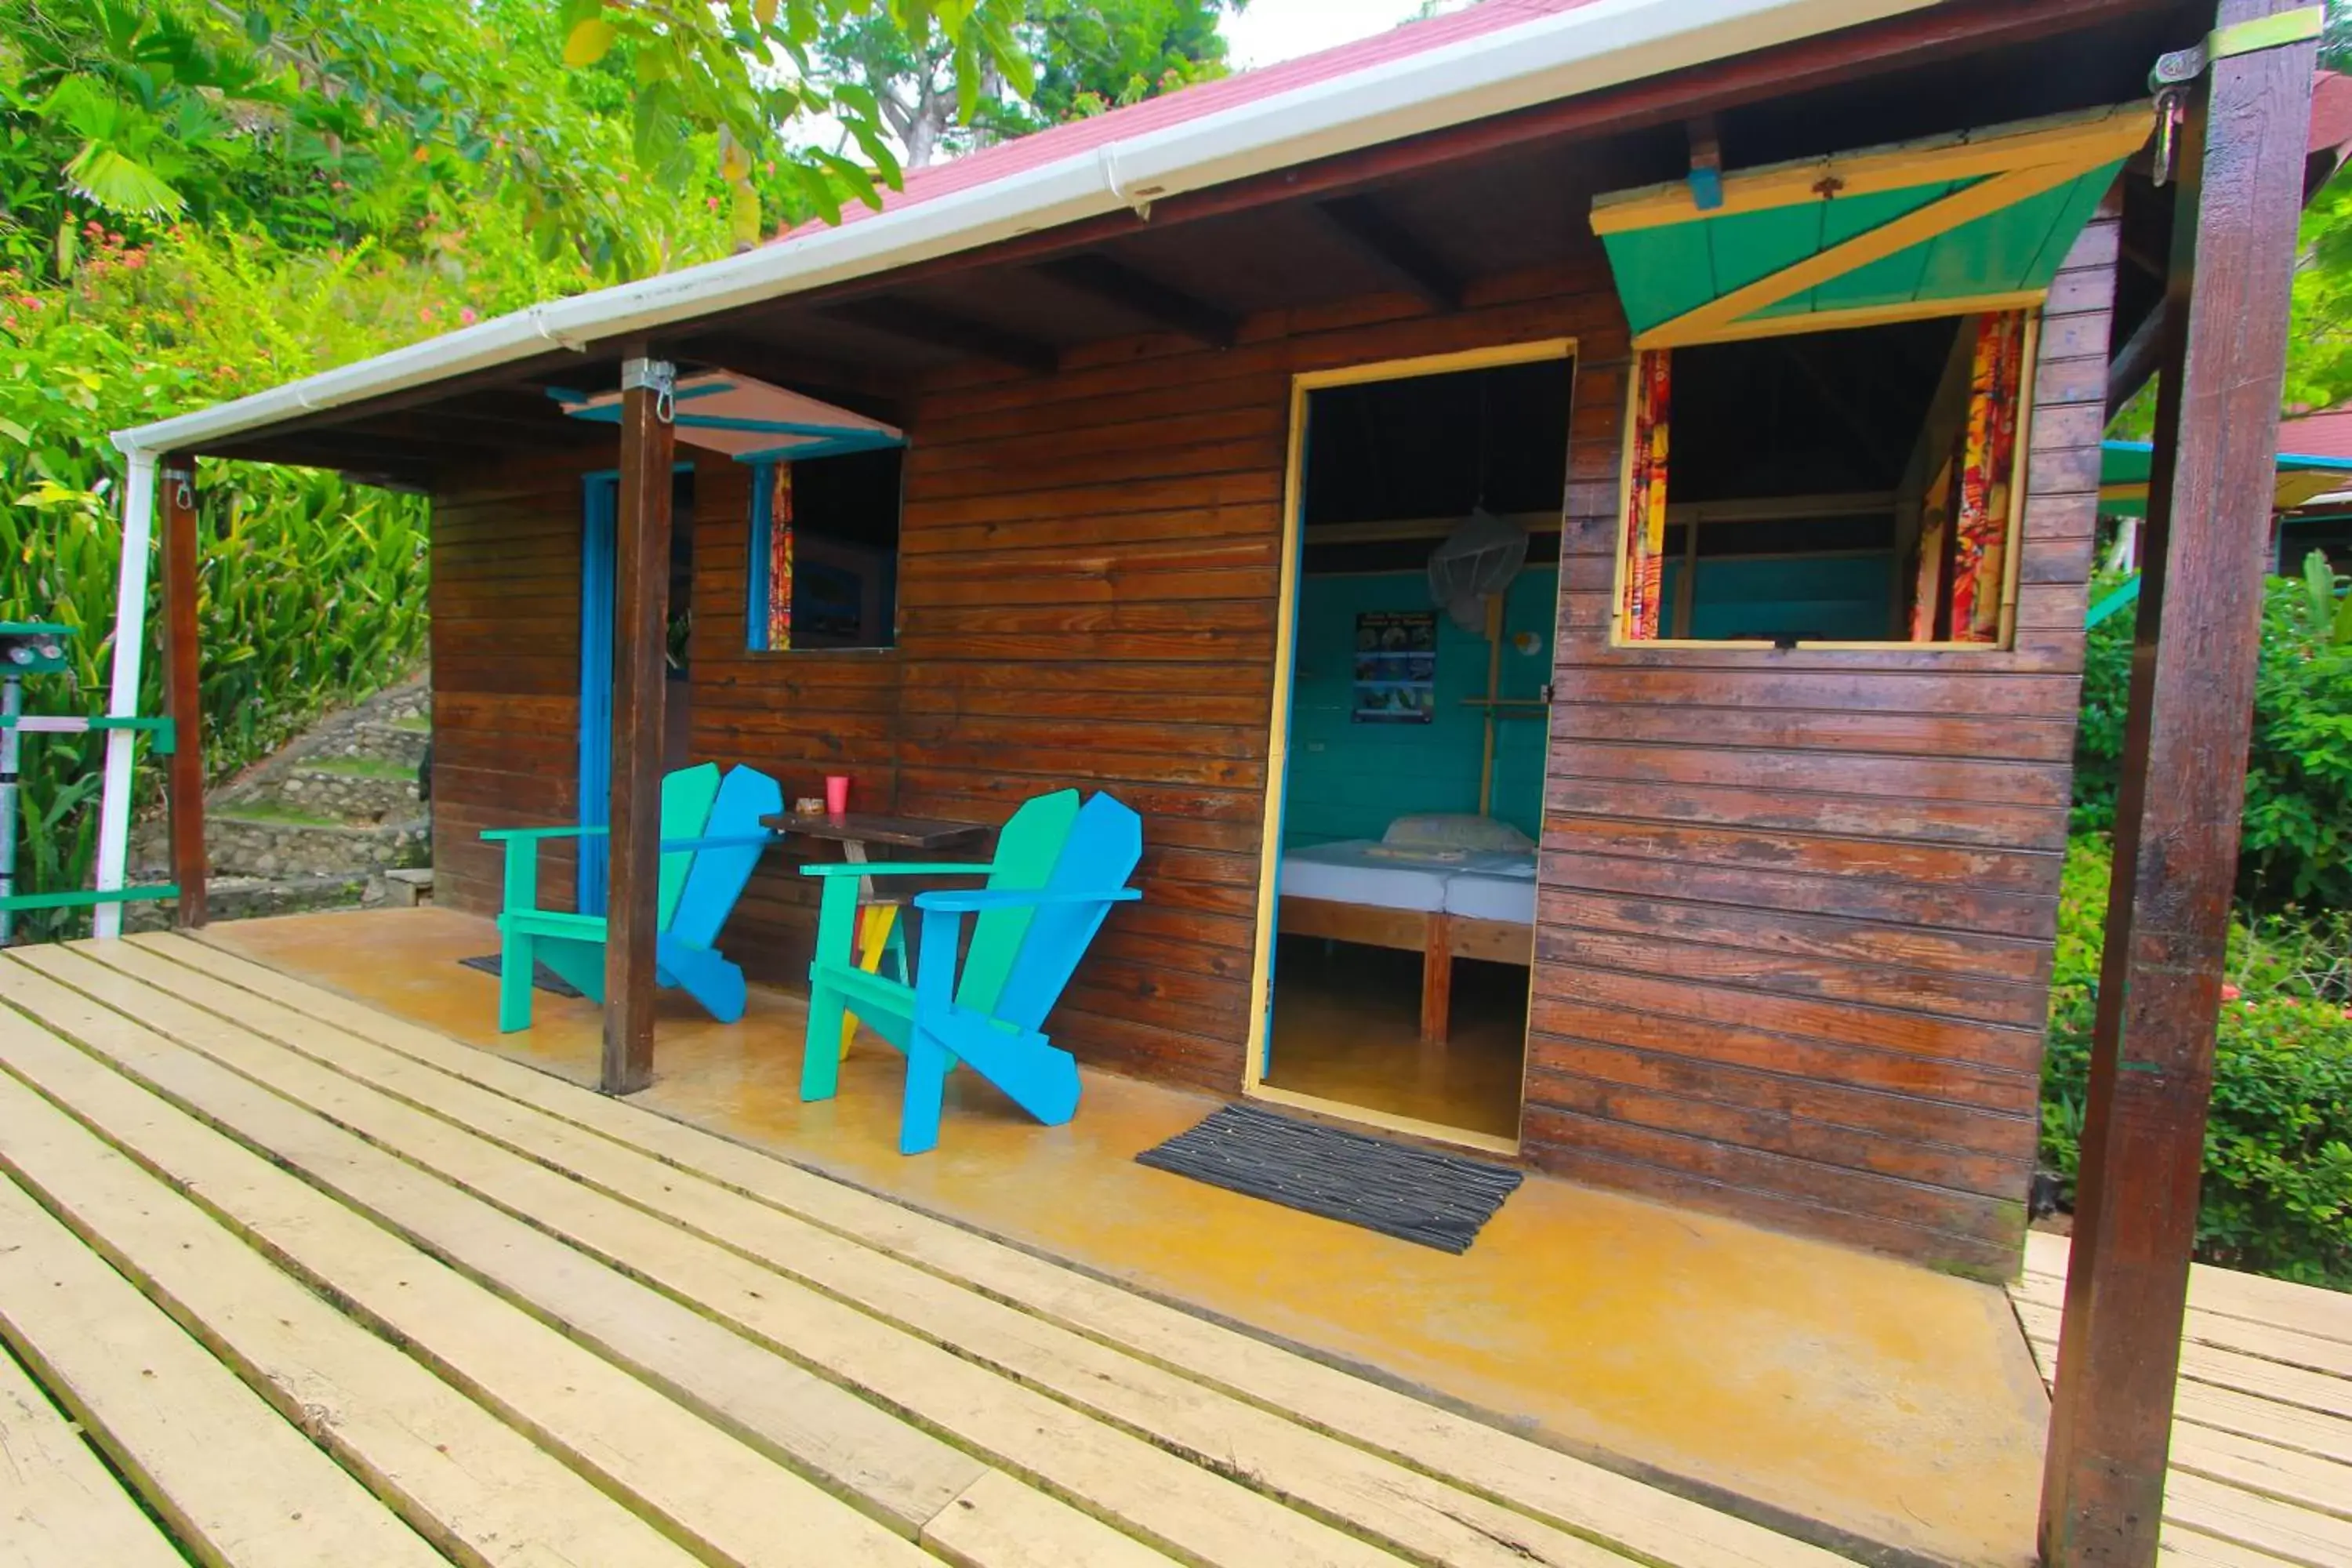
(1977, 222)
(2123, 469)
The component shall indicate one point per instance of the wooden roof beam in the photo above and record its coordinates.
(477, 427)
(1117, 284)
(1376, 235)
(344, 450)
(915, 322)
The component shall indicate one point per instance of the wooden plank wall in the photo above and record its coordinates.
(1796, 909)
(1090, 574)
(506, 673)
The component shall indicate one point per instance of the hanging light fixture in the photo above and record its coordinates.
(1482, 554)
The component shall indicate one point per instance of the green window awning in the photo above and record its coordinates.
(1976, 222)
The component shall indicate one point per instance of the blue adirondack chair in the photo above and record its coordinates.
(1042, 903)
(711, 839)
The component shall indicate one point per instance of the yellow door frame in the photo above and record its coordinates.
(1285, 659)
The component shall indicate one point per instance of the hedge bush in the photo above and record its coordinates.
(2297, 845)
(2277, 1192)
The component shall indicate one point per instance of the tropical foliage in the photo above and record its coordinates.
(2297, 845)
(1092, 56)
(200, 199)
(2277, 1192)
(329, 121)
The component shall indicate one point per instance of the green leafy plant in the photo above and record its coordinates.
(2277, 1190)
(2297, 840)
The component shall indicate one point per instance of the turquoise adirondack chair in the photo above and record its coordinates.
(711, 839)
(1058, 869)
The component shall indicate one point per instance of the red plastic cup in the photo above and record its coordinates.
(837, 794)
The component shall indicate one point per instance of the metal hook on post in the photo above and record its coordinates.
(2170, 78)
(658, 376)
(183, 493)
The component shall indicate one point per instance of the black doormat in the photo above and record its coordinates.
(1437, 1200)
(546, 979)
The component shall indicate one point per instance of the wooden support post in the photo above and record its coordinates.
(2240, 164)
(1436, 979)
(640, 635)
(183, 693)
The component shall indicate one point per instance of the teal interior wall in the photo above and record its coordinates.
(1350, 780)
(1842, 599)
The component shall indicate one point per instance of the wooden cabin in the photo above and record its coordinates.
(1704, 842)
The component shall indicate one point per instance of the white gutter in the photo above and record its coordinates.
(1597, 46)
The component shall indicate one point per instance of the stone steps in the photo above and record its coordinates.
(402, 744)
(360, 791)
(253, 898)
(318, 825)
(255, 842)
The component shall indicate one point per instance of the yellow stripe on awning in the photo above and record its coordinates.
(1974, 221)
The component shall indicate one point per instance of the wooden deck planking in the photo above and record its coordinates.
(670, 1463)
(57, 1505)
(727, 1501)
(1151, 1492)
(1363, 1493)
(2261, 1436)
(638, 1343)
(1526, 1476)
(237, 1485)
(376, 1412)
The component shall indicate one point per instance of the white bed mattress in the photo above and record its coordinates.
(1493, 895)
(1479, 884)
(1348, 873)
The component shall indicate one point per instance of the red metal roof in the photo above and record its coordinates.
(1205, 98)
(2327, 433)
(2331, 111)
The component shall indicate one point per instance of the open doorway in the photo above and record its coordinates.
(1410, 729)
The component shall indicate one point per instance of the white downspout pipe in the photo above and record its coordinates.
(122, 695)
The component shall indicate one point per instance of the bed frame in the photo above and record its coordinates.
(1440, 939)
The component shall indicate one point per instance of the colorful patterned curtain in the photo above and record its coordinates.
(1980, 526)
(1645, 503)
(780, 558)
(1964, 533)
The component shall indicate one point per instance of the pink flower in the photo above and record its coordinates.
(2230, 993)
(466, 316)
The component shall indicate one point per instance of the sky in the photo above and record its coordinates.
(1271, 30)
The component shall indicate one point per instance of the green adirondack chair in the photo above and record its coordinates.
(711, 839)
(1058, 869)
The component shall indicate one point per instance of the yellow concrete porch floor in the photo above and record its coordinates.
(1877, 1400)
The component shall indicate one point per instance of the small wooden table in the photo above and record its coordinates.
(853, 830)
(877, 918)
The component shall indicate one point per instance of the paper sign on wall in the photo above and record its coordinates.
(1396, 666)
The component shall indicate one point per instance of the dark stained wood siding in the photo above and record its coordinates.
(1796, 909)
(506, 673)
(1089, 585)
